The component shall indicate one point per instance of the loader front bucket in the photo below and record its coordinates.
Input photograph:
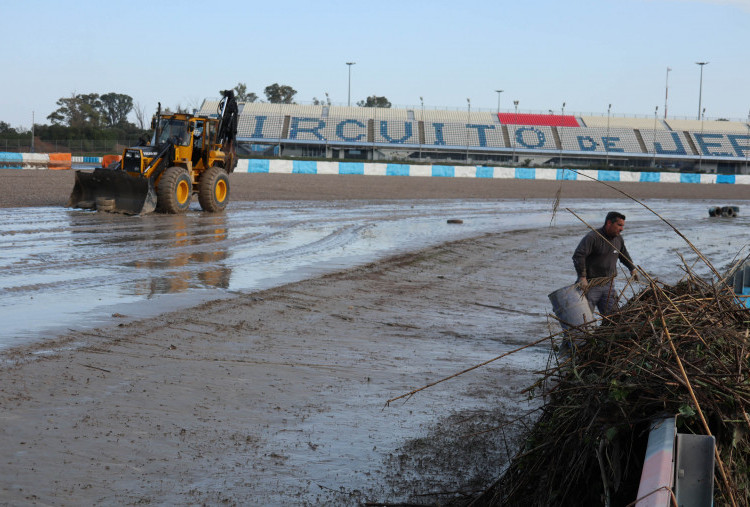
(113, 190)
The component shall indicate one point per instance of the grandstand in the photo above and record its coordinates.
(516, 139)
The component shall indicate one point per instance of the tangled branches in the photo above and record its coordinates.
(680, 350)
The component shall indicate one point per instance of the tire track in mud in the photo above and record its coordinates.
(153, 248)
(60, 262)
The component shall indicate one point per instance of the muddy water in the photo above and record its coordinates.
(281, 399)
(70, 269)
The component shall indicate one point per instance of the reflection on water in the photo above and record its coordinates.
(63, 268)
(181, 266)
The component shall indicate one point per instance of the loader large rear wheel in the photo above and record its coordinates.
(174, 190)
(213, 190)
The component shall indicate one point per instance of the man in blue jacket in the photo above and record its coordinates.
(595, 260)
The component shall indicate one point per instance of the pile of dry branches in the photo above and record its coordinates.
(680, 350)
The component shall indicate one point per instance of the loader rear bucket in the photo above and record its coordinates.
(113, 190)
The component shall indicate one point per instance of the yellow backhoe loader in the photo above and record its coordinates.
(187, 154)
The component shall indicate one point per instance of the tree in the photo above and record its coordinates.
(5, 128)
(81, 110)
(115, 108)
(374, 101)
(321, 102)
(280, 94)
(240, 91)
(140, 115)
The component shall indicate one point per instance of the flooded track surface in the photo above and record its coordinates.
(74, 269)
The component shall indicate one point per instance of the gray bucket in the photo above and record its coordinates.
(571, 307)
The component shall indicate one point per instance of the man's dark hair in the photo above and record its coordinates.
(613, 216)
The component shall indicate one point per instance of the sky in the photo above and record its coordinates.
(587, 54)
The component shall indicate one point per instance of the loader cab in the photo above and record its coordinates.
(198, 130)
(203, 132)
(172, 129)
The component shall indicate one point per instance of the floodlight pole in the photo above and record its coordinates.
(515, 132)
(700, 160)
(700, 90)
(606, 143)
(498, 100)
(666, 93)
(468, 121)
(349, 95)
(656, 111)
(421, 100)
(562, 115)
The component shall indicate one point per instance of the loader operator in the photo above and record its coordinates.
(174, 131)
(595, 260)
(197, 142)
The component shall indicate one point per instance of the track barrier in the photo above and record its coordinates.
(10, 160)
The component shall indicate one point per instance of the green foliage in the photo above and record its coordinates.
(8, 133)
(6, 130)
(280, 94)
(617, 392)
(687, 411)
(115, 108)
(374, 101)
(240, 91)
(611, 433)
(81, 110)
(92, 110)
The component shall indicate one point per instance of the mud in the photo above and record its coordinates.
(73, 269)
(67, 269)
(277, 395)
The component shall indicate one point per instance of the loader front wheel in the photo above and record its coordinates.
(213, 190)
(173, 191)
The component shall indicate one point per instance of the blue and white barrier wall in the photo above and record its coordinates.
(10, 160)
(445, 171)
(275, 166)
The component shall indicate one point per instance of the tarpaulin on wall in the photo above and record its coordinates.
(549, 120)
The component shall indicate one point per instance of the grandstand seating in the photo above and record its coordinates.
(458, 134)
(456, 129)
(358, 113)
(664, 142)
(208, 107)
(260, 126)
(265, 108)
(721, 144)
(729, 126)
(708, 126)
(396, 132)
(444, 116)
(621, 122)
(484, 117)
(531, 137)
(595, 139)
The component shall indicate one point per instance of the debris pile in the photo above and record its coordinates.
(672, 350)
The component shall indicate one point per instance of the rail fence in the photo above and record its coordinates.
(81, 147)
